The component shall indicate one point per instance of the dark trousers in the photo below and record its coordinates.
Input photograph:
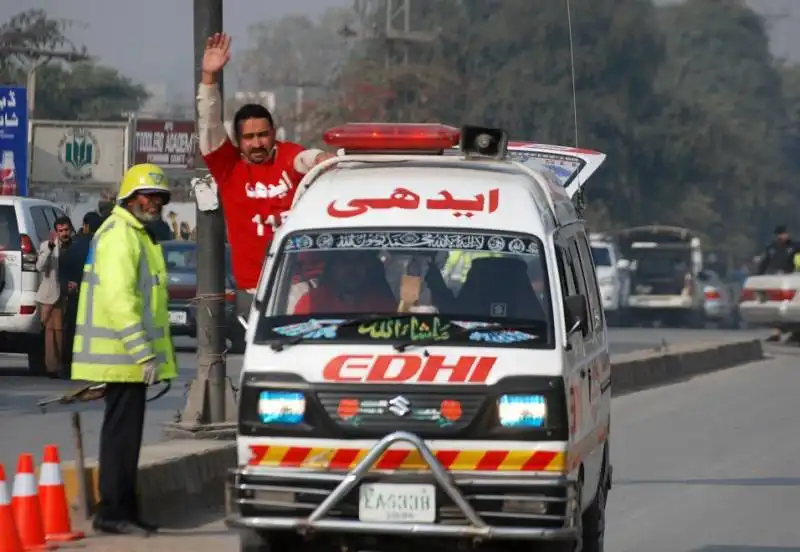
(120, 443)
(70, 320)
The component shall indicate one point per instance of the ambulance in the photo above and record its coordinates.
(385, 405)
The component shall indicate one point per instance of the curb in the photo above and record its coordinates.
(640, 370)
(186, 474)
(174, 477)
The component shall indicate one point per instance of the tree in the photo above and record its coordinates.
(66, 91)
(86, 91)
(699, 122)
(31, 29)
(291, 53)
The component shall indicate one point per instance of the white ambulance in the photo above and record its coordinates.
(384, 404)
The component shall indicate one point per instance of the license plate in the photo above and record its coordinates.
(762, 296)
(177, 317)
(397, 503)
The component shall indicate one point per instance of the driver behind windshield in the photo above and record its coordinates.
(351, 282)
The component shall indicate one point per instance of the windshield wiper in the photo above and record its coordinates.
(461, 330)
(294, 340)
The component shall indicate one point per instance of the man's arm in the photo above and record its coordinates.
(211, 131)
(45, 258)
(765, 260)
(116, 265)
(218, 151)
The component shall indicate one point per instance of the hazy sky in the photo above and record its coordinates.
(151, 40)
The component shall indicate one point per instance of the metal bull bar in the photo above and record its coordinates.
(318, 521)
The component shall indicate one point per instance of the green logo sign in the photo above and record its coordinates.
(78, 153)
(411, 328)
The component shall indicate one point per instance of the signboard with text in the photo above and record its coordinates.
(168, 144)
(13, 141)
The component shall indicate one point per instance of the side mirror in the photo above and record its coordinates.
(623, 264)
(576, 314)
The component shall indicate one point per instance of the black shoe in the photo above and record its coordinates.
(147, 527)
(119, 528)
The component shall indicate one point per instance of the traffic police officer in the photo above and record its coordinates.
(123, 337)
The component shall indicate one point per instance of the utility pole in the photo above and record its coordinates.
(210, 407)
(397, 33)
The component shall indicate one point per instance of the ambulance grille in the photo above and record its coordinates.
(415, 412)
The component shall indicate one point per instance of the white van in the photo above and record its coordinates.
(382, 401)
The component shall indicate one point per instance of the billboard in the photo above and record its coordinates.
(65, 152)
(13, 140)
(168, 144)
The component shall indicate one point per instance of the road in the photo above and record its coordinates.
(696, 470)
(24, 429)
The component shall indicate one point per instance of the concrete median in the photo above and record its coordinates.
(183, 474)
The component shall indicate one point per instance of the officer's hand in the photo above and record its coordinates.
(149, 372)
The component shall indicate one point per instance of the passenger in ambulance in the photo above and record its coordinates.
(351, 282)
(499, 288)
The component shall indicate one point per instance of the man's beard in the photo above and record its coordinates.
(143, 215)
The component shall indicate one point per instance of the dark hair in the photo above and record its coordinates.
(93, 220)
(247, 112)
(61, 221)
(780, 229)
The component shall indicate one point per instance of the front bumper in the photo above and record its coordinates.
(468, 505)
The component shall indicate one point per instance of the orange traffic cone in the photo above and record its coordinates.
(9, 538)
(53, 500)
(25, 502)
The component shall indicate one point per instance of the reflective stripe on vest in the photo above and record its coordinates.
(139, 346)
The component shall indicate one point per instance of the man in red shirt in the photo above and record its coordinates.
(256, 179)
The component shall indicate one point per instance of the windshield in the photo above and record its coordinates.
(601, 255)
(437, 281)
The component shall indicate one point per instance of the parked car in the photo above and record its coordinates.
(720, 302)
(24, 224)
(181, 260)
(613, 278)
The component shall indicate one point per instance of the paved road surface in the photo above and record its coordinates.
(708, 465)
(24, 429)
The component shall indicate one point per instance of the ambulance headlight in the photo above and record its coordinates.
(523, 411)
(281, 407)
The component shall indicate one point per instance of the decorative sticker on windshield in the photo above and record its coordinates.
(411, 328)
(405, 199)
(445, 241)
(312, 329)
(482, 333)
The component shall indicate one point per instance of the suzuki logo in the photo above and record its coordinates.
(399, 406)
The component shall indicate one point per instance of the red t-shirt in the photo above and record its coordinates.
(250, 195)
(321, 301)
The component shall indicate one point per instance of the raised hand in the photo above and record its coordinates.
(217, 54)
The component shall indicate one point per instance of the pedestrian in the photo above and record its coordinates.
(123, 338)
(50, 295)
(256, 179)
(778, 258)
(71, 272)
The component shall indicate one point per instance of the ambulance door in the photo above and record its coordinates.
(572, 166)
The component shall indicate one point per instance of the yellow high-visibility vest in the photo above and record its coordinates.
(122, 319)
(458, 263)
(797, 262)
